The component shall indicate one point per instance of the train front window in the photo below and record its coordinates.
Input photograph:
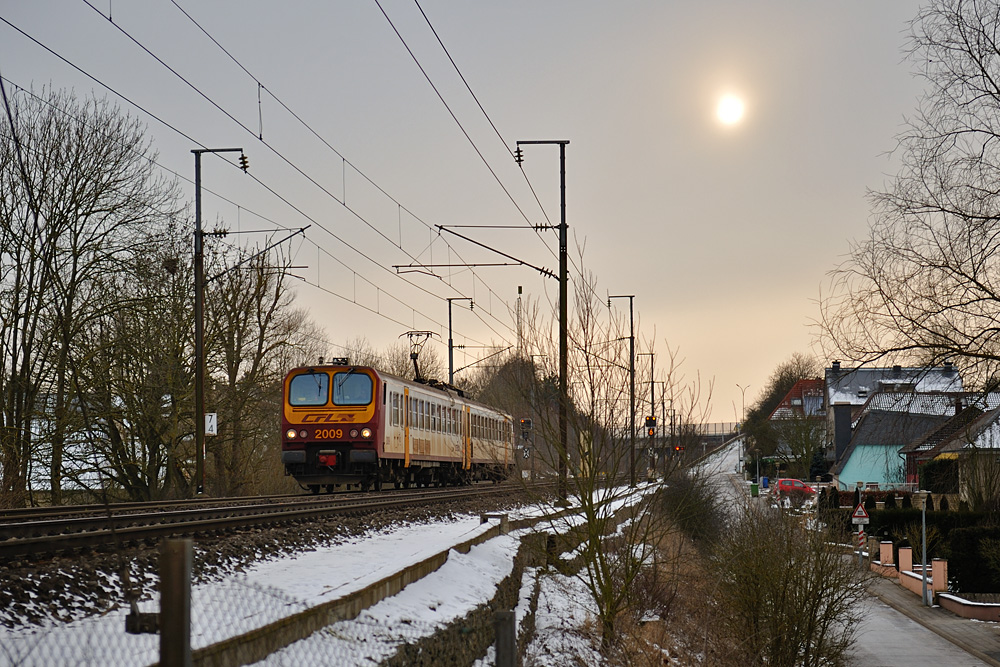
(352, 388)
(309, 389)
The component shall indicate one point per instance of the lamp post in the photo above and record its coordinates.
(924, 496)
(563, 317)
(743, 424)
(199, 316)
(451, 345)
(631, 370)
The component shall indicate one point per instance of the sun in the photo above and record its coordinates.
(730, 109)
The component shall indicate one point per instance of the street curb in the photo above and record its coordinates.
(971, 650)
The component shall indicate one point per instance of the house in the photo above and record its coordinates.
(967, 421)
(805, 399)
(975, 444)
(798, 423)
(847, 392)
(872, 456)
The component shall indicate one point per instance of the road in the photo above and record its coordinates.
(886, 638)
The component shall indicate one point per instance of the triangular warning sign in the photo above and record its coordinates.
(860, 512)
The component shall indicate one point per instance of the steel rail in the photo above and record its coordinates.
(27, 539)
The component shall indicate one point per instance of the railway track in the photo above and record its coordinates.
(44, 531)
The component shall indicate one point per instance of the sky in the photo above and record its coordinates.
(725, 234)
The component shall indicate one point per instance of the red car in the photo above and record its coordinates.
(788, 485)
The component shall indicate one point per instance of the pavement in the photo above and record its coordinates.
(978, 638)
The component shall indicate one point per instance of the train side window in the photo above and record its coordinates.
(309, 389)
(434, 417)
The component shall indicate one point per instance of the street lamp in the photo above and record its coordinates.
(631, 370)
(924, 496)
(451, 346)
(199, 315)
(743, 424)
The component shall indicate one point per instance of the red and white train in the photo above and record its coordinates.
(344, 425)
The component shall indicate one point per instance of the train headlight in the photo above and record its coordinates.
(290, 434)
(354, 432)
(303, 433)
(366, 433)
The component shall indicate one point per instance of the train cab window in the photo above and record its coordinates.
(395, 409)
(309, 389)
(352, 389)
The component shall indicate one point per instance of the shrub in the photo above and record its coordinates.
(784, 594)
(939, 476)
(974, 562)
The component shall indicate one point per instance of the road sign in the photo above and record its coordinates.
(860, 516)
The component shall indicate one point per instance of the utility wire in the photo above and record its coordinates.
(281, 225)
(261, 183)
(319, 137)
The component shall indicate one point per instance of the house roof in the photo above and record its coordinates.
(804, 398)
(929, 445)
(914, 402)
(984, 431)
(856, 385)
(889, 429)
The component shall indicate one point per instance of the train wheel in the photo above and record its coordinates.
(329, 488)
(314, 489)
(378, 483)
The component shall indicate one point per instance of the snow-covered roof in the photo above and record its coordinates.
(805, 398)
(856, 385)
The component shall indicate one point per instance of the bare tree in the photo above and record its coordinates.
(248, 305)
(783, 595)
(79, 188)
(923, 285)
(622, 547)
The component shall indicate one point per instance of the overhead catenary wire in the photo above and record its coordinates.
(318, 136)
(261, 183)
(278, 224)
(319, 225)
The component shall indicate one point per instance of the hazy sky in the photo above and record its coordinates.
(724, 234)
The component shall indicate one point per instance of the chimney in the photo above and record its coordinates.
(948, 368)
(836, 367)
(841, 429)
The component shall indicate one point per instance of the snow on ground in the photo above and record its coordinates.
(274, 589)
(565, 611)
(236, 604)
(418, 611)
